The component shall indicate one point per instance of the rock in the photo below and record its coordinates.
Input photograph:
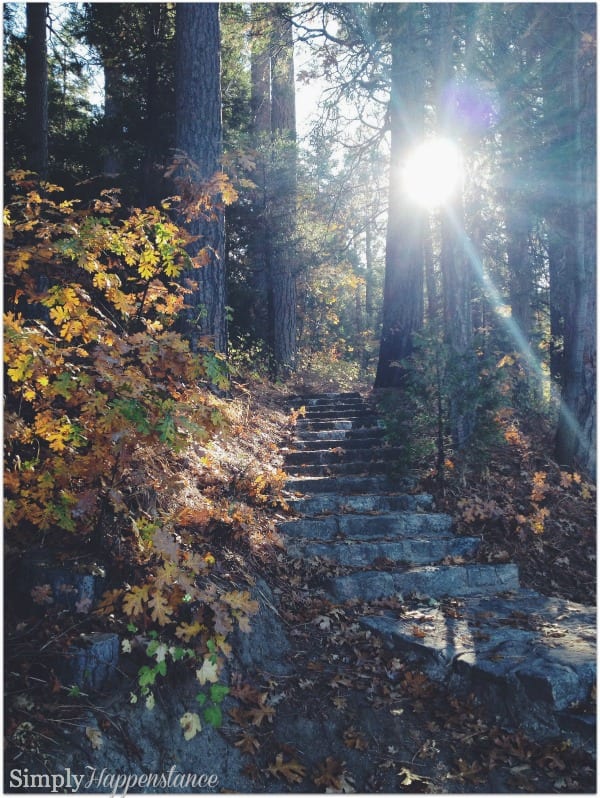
(90, 663)
(265, 646)
(72, 586)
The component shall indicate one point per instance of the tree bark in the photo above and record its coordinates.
(576, 433)
(283, 192)
(403, 281)
(36, 89)
(260, 101)
(199, 135)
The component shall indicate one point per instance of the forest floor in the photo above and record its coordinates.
(372, 723)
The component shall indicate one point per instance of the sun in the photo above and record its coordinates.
(433, 172)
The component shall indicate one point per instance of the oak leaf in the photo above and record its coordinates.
(94, 736)
(209, 672)
(292, 771)
(190, 723)
(134, 600)
(186, 631)
(160, 609)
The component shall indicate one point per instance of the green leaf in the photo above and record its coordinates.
(213, 716)
(201, 699)
(161, 667)
(218, 692)
(131, 627)
(146, 676)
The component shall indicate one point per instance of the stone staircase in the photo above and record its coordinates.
(529, 657)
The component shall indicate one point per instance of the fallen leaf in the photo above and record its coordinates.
(292, 771)
(209, 672)
(190, 723)
(94, 736)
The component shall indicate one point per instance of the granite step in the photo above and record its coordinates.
(530, 658)
(327, 503)
(339, 454)
(363, 421)
(343, 434)
(362, 441)
(347, 484)
(343, 411)
(316, 399)
(434, 580)
(366, 467)
(368, 527)
(409, 550)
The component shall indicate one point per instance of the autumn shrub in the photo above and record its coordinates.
(95, 371)
(328, 370)
(105, 405)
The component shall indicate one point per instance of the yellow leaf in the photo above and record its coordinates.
(133, 602)
(241, 600)
(190, 723)
(160, 609)
(94, 736)
(22, 367)
(209, 672)
(185, 631)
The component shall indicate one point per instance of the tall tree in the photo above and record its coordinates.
(260, 101)
(36, 88)
(403, 303)
(199, 137)
(282, 194)
(454, 264)
(576, 432)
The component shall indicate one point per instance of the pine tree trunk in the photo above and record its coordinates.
(403, 281)
(36, 89)
(199, 135)
(282, 196)
(260, 101)
(576, 433)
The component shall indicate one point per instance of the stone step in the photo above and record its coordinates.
(368, 421)
(347, 484)
(435, 580)
(345, 434)
(326, 503)
(340, 411)
(368, 527)
(413, 551)
(312, 400)
(339, 455)
(367, 467)
(530, 658)
(359, 441)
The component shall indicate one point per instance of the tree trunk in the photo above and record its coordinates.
(403, 280)
(260, 101)
(112, 84)
(199, 135)
(282, 195)
(36, 89)
(576, 432)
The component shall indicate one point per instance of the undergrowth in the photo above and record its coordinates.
(503, 485)
(121, 460)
